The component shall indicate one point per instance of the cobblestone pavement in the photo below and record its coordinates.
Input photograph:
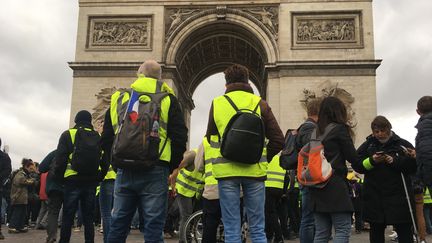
(38, 236)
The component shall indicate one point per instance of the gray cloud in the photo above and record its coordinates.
(37, 39)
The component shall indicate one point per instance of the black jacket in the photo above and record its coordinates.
(304, 133)
(383, 191)
(176, 131)
(5, 168)
(334, 197)
(47, 165)
(64, 149)
(423, 143)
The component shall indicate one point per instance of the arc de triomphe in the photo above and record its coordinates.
(294, 49)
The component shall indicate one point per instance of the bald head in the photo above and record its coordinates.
(151, 69)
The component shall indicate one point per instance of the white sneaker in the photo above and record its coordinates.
(393, 234)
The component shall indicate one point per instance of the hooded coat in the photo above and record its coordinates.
(423, 143)
(384, 195)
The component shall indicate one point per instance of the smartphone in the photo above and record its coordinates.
(404, 148)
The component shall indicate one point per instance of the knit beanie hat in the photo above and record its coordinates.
(83, 116)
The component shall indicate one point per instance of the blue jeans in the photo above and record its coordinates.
(254, 200)
(307, 221)
(106, 197)
(86, 195)
(148, 190)
(323, 227)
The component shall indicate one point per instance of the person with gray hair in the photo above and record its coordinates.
(135, 185)
(150, 69)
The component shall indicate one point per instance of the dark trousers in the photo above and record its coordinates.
(294, 210)
(404, 231)
(358, 218)
(1, 204)
(272, 206)
(211, 219)
(18, 217)
(55, 201)
(85, 194)
(33, 208)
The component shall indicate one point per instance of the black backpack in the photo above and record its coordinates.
(243, 138)
(86, 156)
(289, 154)
(136, 145)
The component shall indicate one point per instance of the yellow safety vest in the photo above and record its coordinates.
(111, 174)
(275, 174)
(222, 113)
(427, 197)
(69, 171)
(209, 155)
(149, 85)
(188, 183)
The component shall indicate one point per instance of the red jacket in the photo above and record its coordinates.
(42, 193)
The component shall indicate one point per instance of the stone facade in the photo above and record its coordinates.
(289, 47)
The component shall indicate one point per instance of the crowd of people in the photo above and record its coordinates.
(137, 174)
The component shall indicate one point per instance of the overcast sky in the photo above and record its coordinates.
(37, 39)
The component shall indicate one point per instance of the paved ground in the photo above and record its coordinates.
(135, 236)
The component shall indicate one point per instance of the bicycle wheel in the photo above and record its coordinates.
(194, 228)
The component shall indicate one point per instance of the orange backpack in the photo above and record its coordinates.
(313, 168)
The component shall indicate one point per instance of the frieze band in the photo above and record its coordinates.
(120, 32)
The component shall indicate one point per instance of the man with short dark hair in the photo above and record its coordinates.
(5, 170)
(307, 228)
(232, 175)
(423, 141)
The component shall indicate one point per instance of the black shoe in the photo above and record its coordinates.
(358, 231)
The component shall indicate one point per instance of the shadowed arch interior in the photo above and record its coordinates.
(214, 47)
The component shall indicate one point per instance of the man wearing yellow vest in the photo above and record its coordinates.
(232, 175)
(145, 188)
(274, 190)
(78, 186)
(188, 183)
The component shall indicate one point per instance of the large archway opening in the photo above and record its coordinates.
(212, 48)
(207, 45)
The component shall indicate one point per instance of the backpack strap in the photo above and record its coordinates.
(236, 108)
(327, 130)
(158, 86)
(231, 103)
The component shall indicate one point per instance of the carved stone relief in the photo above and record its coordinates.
(317, 30)
(330, 89)
(102, 104)
(120, 32)
(268, 16)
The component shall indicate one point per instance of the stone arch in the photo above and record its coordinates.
(229, 29)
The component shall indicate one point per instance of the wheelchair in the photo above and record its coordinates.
(194, 229)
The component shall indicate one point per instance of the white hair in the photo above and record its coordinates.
(151, 68)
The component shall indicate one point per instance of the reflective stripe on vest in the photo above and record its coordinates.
(111, 174)
(209, 156)
(69, 171)
(427, 197)
(189, 183)
(222, 113)
(275, 174)
(149, 85)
